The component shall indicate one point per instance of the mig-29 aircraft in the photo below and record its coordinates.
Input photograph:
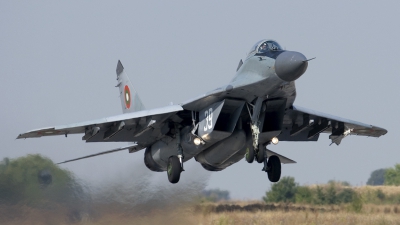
(223, 126)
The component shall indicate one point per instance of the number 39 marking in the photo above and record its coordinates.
(209, 115)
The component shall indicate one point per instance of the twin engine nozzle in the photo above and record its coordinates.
(290, 65)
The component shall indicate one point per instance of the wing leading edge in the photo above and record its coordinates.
(307, 124)
(129, 127)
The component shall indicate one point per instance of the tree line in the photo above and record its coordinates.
(35, 181)
(335, 192)
(389, 176)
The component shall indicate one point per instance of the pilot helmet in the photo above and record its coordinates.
(264, 47)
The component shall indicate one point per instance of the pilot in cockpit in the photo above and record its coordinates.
(263, 48)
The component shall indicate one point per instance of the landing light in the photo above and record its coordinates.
(197, 141)
(275, 140)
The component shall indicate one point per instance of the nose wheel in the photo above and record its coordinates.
(252, 154)
(249, 154)
(260, 157)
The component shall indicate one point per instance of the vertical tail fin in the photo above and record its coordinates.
(130, 100)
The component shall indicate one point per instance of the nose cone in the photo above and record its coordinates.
(290, 65)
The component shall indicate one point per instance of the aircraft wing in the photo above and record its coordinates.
(142, 127)
(308, 124)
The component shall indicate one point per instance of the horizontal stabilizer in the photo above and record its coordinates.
(283, 159)
(132, 149)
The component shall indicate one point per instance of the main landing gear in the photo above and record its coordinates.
(174, 169)
(273, 168)
(175, 162)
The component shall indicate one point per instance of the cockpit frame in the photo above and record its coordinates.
(270, 45)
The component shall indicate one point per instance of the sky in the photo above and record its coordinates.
(58, 60)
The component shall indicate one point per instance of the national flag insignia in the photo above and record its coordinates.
(127, 94)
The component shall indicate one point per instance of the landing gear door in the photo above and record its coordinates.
(272, 119)
(208, 118)
(219, 120)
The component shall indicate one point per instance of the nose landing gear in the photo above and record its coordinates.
(249, 154)
(261, 154)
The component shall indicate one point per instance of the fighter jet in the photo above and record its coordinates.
(223, 126)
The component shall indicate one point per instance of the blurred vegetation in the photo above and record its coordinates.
(332, 193)
(52, 195)
(215, 195)
(287, 190)
(282, 191)
(35, 181)
(392, 176)
(377, 177)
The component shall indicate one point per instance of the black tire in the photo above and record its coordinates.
(249, 156)
(274, 165)
(261, 154)
(174, 169)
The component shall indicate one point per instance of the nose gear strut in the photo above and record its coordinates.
(272, 165)
(255, 131)
(255, 122)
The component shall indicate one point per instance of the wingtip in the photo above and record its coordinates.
(19, 137)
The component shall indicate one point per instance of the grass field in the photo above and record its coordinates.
(223, 213)
(206, 214)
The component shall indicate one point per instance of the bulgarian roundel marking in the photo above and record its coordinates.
(127, 94)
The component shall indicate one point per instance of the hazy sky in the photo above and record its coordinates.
(58, 60)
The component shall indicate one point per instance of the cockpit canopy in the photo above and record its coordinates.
(265, 46)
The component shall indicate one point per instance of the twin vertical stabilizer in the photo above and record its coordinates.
(130, 100)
